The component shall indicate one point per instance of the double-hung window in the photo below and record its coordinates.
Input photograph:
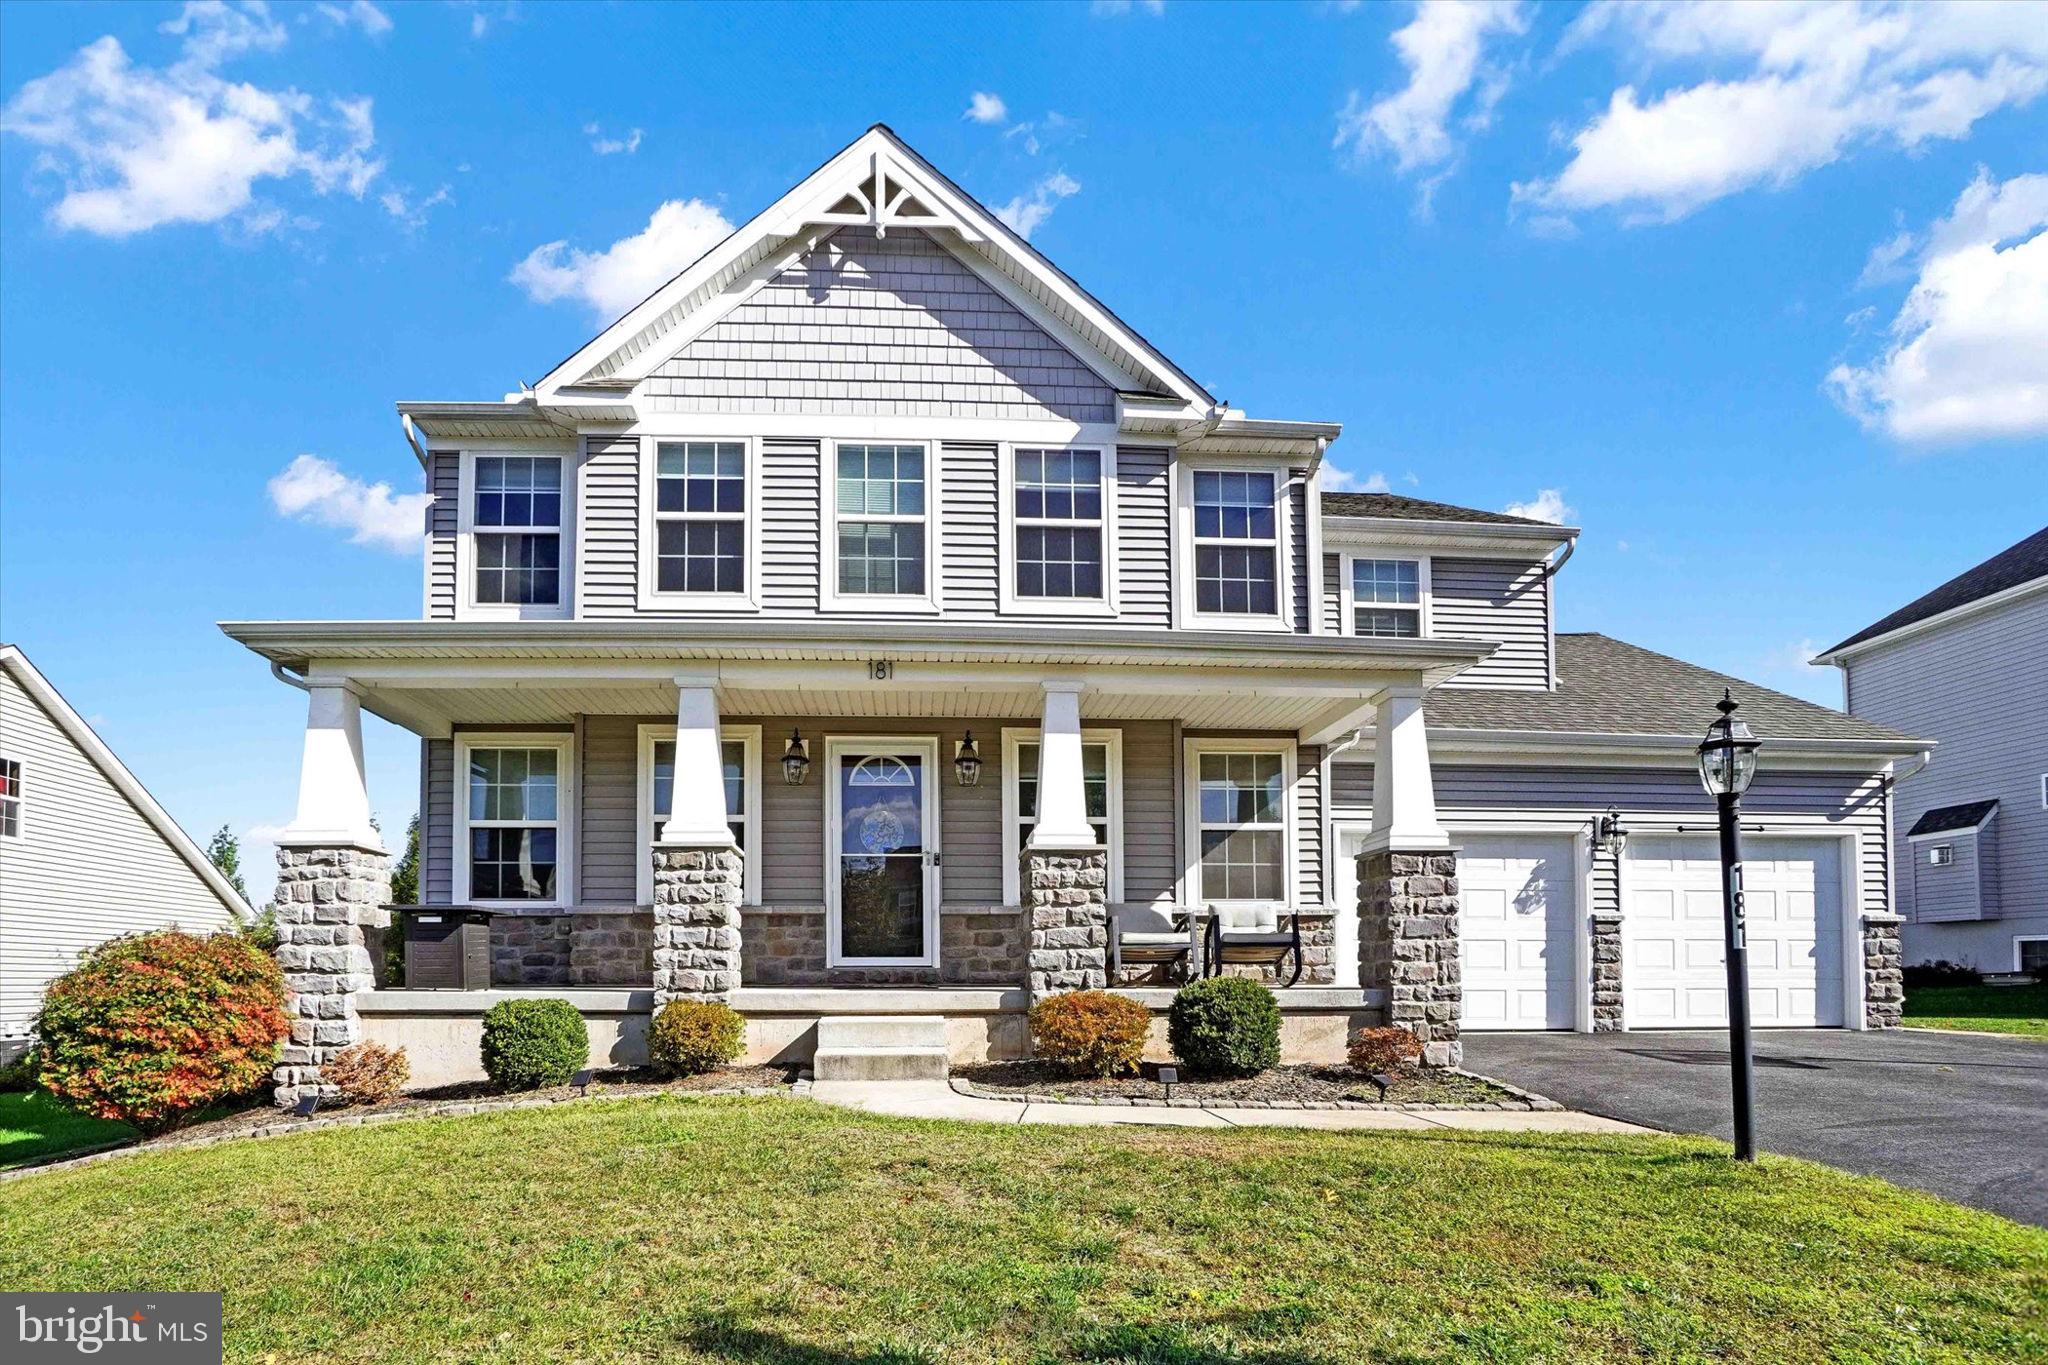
(739, 748)
(1237, 543)
(882, 513)
(1058, 537)
(700, 517)
(1386, 598)
(1241, 813)
(1102, 787)
(514, 821)
(516, 519)
(10, 798)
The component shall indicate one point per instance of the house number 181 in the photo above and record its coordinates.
(881, 670)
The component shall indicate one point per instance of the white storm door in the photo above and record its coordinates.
(881, 853)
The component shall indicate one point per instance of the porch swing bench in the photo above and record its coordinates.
(1252, 937)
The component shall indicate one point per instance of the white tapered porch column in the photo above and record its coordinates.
(1403, 791)
(698, 870)
(334, 798)
(1065, 870)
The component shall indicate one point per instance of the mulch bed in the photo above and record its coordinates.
(1284, 1087)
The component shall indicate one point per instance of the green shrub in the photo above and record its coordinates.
(19, 1075)
(688, 1037)
(533, 1044)
(148, 1028)
(1091, 1033)
(1225, 1026)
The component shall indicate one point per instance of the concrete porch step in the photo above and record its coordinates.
(881, 1047)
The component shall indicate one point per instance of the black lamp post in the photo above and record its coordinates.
(1727, 763)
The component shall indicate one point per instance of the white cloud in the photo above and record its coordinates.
(1117, 9)
(410, 211)
(1547, 505)
(986, 108)
(1967, 356)
(611, 146)
(1035, 135)
(137, 147)
(1337, 480)
(374, 22)
(1797, 86)
(1027, 213)
(314, 490)
(613, 280)
(1442, 49)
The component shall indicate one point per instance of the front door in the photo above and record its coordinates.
(881, 857)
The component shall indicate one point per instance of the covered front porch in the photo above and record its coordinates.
(792, 824)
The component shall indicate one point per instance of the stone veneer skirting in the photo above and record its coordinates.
(696, 922)
(326, 900)
(1884, 972)
(1066, 904)
(584, 948)
(1606, 973)
(786, 947)
(1408, 944)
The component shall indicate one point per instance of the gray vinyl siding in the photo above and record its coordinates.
(62, 887)
(1308, 822)
(794, 559)
(868, 325)
(1954, 892)
(1333, 594)
(1152, 844)
(437, 823)
(608, 811)
(1300, 591)
(1979, 688)
(1495, 599)
(444, 481)
(1850, 801)
(608, 503)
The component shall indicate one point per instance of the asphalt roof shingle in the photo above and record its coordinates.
(1417, 509)
(2023, 563)
(1607, 687)
(1945, 819)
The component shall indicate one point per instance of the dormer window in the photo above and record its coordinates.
(1237, 543)
(1386, 597)
(516, 518)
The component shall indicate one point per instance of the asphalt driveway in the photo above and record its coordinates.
(1961, 1116)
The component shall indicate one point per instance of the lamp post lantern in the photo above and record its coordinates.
(1727, 764)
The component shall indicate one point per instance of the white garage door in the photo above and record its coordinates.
(1515, 930)
(1674, 969)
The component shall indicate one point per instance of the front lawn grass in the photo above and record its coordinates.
(780, 1230)
(2021, 1010)
(34, 1126)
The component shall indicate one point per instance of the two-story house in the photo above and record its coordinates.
(1967, 666)
(871, 621)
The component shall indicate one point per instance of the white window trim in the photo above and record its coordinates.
(20, 800)
(1282, 617)
(749, 736)
(466, 532)
(748, 599)
(1348, 589)
(2044, 791)
(2017, 940)
(566, 849)
(1935, 852)
(1191, 804)
(1014, 738)
(830, 599)
(1009, 602)
(926, 746)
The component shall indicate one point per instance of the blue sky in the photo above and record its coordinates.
(1760, 294)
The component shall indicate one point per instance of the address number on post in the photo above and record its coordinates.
(881, 670)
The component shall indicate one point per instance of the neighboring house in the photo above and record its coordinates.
(1967, 666)
(85, 853)
(714, 609)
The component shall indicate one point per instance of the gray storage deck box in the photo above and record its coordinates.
(448, 950)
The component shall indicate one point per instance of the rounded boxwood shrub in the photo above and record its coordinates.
(148, 1028)
(688, 1037)
(1225, 1026)
(1091, 1033)
(533, 1044)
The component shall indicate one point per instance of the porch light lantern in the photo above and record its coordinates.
(796, 759)
(967, 761)
(1727, 766)
(1609, 834)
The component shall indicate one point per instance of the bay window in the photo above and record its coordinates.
(1237, 542)
(513, 825)
(700, 517)
(516, 524)
(881, 519)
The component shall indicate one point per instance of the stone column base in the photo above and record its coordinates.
(696, 922)
(1066, 911)
(1408, 945)
(1606, 973)
(326, 898)
(1884, 972)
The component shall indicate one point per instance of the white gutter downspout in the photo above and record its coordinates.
(1550, 569)
(412, 438)
(277, 672)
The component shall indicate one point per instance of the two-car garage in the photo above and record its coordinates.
(1520, 931)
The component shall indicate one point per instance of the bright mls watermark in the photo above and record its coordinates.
(164, 1329)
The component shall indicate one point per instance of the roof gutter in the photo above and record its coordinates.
(412, 438)
(1570, 548)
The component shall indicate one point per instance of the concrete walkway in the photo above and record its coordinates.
(938, 1100)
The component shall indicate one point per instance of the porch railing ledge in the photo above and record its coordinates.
(590, 999)
(880, 999)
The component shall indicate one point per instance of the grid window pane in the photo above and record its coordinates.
(512, 784)
(10, 798)
(1242, 865)
(701, 476)
(1059, 485)
(512, 864)
(881, 481)
(699, 556)
(10, 778)
(519, 569)
(1242, 789)
(2034, 955)
(1236, 579)
(1388, 623)
(1059, 561)
(881, 557)
(1233, 505)
(1394, 582)
(518, 491)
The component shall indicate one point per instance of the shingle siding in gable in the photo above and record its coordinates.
(1495, 599)
(444, 481)
(869, 325)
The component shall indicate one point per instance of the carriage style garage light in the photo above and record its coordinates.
(967, 761)
(796, 759)
(1727, 765)
(1609, 834)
